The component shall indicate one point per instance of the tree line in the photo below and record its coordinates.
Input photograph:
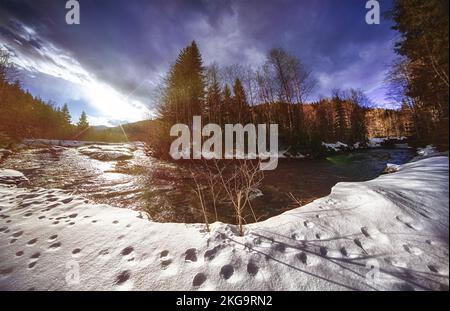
(25, 116)
(275, 93)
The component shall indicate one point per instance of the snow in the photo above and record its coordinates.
(12, 177)
(338, 146)
(427, 151)
(376, 142)
(390, 233)
(109, 152)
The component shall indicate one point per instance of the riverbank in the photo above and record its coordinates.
(390, 233)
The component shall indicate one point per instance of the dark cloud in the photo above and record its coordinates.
(123, 43)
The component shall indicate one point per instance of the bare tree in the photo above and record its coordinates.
(199, 191)
(294, 82)
(227, 182)
(244, 177)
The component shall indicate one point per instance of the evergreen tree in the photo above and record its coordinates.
(213, 107)
(83, 123)
(66, 114)
(184, 92)
(227, 104)
(424, 27)
(241, 111)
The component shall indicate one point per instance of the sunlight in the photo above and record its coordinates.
(113, 105)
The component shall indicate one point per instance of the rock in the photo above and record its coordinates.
(391, 168)
(4, 153)
(108, 152)
(12, 177)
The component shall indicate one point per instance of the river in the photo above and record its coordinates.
(156, 187)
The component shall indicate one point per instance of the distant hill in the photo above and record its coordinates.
(136, 131)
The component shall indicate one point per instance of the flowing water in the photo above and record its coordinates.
(157, 187)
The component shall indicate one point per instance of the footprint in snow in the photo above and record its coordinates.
(35, 255)
(199, 279)
(303, 257)
(191, 255)
(308, 224)
(122, 277)
(33, 241)
(165, 263)
(279, 247)
(17, 234)
(227, 271)
(365, 231)
(53, 237)
(6, 271)
(323, 251)
(165, 260)
(32, 264)
(433, 268)
(55, 246)
(412, 249)
(126, 251)
(252, 268)
(212, 253)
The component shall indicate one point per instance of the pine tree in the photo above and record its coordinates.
(213, 105)
(227, 104)
(184, 93)
(241, 111)
(424, 26)
(66, 114)
(83, 123)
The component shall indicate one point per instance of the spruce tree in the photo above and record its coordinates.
(184, 92)
(241, 111)
(227, 104)
(83, 123)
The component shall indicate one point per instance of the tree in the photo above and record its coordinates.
(213, 105)
(423, 26)
(66, 114)
(241, 111)
(227, 104)
(83, 123)
(184, 90)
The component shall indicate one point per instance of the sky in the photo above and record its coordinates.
(112, 63)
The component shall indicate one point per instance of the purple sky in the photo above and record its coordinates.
(110, 64)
